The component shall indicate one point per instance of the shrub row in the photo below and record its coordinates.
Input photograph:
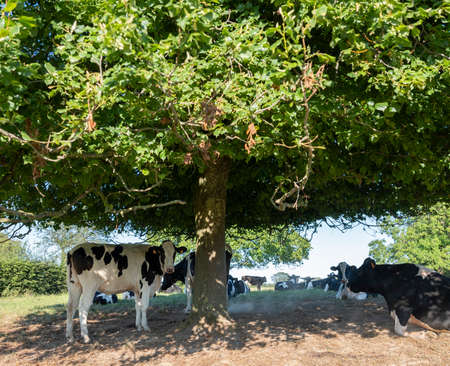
(20, 278)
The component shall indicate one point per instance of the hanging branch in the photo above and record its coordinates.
(310, 83)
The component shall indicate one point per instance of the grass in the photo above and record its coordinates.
(51, 306)
(13, 307)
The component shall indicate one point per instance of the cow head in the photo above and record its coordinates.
(363, 279)
(169, 250)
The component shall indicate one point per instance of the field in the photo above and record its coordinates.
(269, 328)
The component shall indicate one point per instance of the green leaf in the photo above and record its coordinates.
(27, 21)
(10, 6)
(50, 68)
(381, 106)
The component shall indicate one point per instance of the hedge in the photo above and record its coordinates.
(22, 277)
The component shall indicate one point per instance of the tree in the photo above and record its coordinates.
(195, 116)
(11, 250)
(253, 248)
(280, 276)
(422, 239)
(55, 242)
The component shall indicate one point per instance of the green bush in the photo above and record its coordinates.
(22, 277)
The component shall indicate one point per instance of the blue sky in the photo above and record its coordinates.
(329, 247)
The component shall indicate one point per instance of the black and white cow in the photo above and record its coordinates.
(103, 299)
(331, 283)
(114, 269)
(255, 281)
(236, 287)
(184, 272)
(412, 292)
(344, 271)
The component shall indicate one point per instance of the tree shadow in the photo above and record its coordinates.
(40, 336)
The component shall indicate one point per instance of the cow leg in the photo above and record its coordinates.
(414, 320)
(138, 306)
(188, 283)
(146, 294)
(87, 296)
(72, 305)
(401, 317)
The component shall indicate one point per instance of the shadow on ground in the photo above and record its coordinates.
(40, 337)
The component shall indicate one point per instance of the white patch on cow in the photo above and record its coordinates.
(339, 293)
(310, 285)
(326, 288)
(284, 285)
(188, 282)
(398, 328)
(423, 271)
(169, 254)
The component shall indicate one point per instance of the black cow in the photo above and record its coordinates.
(184, 272)
(412, 292)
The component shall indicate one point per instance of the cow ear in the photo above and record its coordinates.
(372, 264)
(333, 268)
(181, 250)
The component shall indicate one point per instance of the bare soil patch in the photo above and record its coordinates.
(309, 331)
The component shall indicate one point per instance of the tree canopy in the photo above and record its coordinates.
(194, 115)
(422, 239)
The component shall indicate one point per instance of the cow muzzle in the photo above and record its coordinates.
(170, 270)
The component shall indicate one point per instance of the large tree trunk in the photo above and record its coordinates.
(210, 299)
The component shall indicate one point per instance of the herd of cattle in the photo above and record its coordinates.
(95, 272)
(334, 282)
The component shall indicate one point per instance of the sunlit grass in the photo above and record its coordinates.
(13, 307)
(54, 306)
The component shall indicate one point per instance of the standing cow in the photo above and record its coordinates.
(413, 293)
(254, 280)
(113, 269)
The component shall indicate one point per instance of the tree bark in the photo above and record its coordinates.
(210, 301)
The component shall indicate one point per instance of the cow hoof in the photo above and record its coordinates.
(86, 339)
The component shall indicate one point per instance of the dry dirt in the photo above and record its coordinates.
(310, 332)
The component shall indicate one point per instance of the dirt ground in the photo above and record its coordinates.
(321, 331)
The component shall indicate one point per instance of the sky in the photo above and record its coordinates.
(329, 247)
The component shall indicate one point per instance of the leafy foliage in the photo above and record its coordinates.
(251, 248)
(280, 276)
(25, 277)
(422, 239)
(110, 111)
(11, 249)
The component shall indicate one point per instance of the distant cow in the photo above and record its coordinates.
(184, 272)
(255, 281)
(236, 287)
(290, 284)
(344, 271)
(412, 292)
(101, 298)
(114, 269)
(332, 283)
